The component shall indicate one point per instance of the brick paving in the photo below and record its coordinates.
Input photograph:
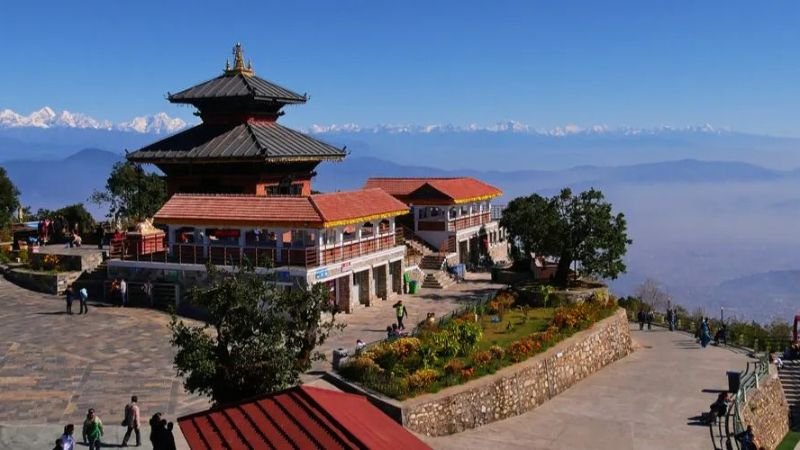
(54, 366)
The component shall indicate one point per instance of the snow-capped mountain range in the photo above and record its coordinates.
(46, 117)
(510, 126)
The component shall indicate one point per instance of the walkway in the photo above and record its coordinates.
(369, 323)
(641, 402)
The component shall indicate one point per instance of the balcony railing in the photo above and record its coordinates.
(259, 256)
(469, 221)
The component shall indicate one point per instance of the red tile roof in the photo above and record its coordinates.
(368, 204)
(316, 211)
(302, 417)
(436, 190)
(246, 210)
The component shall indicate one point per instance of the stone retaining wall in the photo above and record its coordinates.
(767, 411)
(522, 387)
(46, 282)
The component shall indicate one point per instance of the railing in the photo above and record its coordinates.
(749, 380)
(469, 221)
(359, 248)
(258, 256)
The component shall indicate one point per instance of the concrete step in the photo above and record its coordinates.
(437, 280)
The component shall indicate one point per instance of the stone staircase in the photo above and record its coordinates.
(432, 262)
(93, 280)
(437, 279)
(790, 379)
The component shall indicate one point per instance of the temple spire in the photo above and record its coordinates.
(239, 66)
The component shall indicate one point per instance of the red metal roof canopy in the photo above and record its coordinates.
(301, 417)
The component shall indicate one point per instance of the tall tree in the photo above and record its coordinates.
(9, 199)
(131, 193)
(571, 228)
(258, 338)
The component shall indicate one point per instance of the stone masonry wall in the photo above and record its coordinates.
(767, 411)
(522, 387)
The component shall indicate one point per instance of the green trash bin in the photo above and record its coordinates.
(412, 287)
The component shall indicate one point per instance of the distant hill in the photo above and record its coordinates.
(55, 183)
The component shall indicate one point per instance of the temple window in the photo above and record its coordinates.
(223, 236)
(367, 230)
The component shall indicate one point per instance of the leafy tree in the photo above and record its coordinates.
(9, 199)
(572, 228)
(258, 338)
(131, 193)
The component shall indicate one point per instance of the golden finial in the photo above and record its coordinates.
(238, 63)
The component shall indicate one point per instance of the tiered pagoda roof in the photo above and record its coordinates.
(248, 141)
(239, 112)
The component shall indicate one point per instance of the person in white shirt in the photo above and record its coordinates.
(123, 291)
(67, 441)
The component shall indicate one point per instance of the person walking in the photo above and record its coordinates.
(67, 441)
(123, 292)
(83, 297)
(401, 312)
(705, 333)
(132, 421)
(92, 430)
(650, 317)
(641, 317)
(69, 294)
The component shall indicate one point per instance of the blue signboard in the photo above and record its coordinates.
(320, 274)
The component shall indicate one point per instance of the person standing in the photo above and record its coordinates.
(155, 431)
(83, 296)
(67, 441)
(401, 312)
(69, 294)
(148, 292)
(168, 441)
(92, 430)
(132, 421)
(123, 291)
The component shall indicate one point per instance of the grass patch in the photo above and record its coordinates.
(789, 441)
(514, 326)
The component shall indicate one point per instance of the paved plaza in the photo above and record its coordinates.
(643, 401)
(54, 366)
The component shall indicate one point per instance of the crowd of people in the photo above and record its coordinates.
(161, 434)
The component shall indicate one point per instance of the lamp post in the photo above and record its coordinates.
(722, 314)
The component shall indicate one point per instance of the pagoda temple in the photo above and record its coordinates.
(240, 192)
(239, 148)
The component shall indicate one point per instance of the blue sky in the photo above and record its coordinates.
(637, 63)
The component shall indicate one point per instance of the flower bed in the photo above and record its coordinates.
(469, 346)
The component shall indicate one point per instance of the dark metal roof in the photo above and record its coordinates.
(263, 141)
(237, 85)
